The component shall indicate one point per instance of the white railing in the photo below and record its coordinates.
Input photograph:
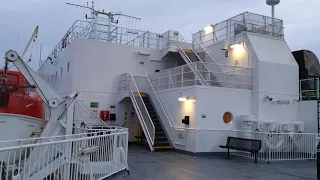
(193, 69)
(202, 49)
(95, 155)
(127, 84)
(275, 146)
(280, 146)
(245, 22)
(309, 89)
(99, 30)
(84, 115)
(183, 76)
(159, 102)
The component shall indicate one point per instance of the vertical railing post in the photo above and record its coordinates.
(300, 90)
(269, 153)
(234, 73)
(317, 88)
(157, 82)
(169, 78)
(182, 76)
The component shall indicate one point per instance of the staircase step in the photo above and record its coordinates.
(162, 148)
(162, 143)
(156, 124)
(160, 133)
(160, 138)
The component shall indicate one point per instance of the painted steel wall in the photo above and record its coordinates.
(99, 64)
(276, 74)
(308, 113)
(51, 73)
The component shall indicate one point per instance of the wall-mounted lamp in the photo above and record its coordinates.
(182, 99)
(226, 53)
(235, 46)
(186, 120)
(295, 100)
(142, 54)
(268, 98)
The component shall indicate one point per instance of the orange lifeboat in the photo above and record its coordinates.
(18, 98)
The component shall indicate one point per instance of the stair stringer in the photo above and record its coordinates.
(136, 107)
(192, 67)
(169, 131)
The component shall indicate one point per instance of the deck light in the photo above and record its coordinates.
(182, 99)
(235, 46)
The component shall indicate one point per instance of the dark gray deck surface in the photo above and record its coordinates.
(176, 166)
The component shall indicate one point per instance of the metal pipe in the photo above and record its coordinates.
(273, 16)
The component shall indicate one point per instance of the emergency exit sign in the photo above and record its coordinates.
(94, 105)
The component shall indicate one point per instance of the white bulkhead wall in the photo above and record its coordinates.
(275, 74)
(95, 68)
(225, 55)
(59, 74)
(98, 64)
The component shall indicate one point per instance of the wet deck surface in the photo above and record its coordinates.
(176, 166)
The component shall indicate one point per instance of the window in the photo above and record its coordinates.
(227, 117)
(56, 75)
(68, 67)
(61, 71)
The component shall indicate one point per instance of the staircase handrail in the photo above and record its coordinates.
(156, 94)
(208, 53)
(87, 109)
(192, 64)
(145, 108)
(196, 55)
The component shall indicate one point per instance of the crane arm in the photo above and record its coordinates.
(46, 93)
(34, 36)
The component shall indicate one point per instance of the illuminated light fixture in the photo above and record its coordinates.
(208, 29)
(182, 99)
(235, 46)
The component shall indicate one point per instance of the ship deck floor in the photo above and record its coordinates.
(145, 165)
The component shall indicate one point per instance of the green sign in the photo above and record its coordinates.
(94, 105)
(112, 106)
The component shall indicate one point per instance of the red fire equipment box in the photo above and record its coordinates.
(105, 115)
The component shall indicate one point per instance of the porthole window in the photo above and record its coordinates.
(227, 117)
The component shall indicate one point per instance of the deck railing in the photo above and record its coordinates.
(99, 31)
(245, 22)
(84, 115)
(310, 89)
(95, 155)
(182, 76)
(275, 146)
(280, 146)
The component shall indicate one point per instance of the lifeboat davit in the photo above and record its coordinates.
(21, 109)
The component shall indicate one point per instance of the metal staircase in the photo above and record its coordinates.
(204, 73)
(161, 141)
(192, 65)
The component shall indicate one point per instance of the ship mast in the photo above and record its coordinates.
(95, 14)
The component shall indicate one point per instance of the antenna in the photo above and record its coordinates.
(96, 13)
(272, 3)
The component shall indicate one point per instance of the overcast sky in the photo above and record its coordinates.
(18, 18)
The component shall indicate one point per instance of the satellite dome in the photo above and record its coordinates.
(273, 2)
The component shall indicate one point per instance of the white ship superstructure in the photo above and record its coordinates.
(104, 85)
(241, 67)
